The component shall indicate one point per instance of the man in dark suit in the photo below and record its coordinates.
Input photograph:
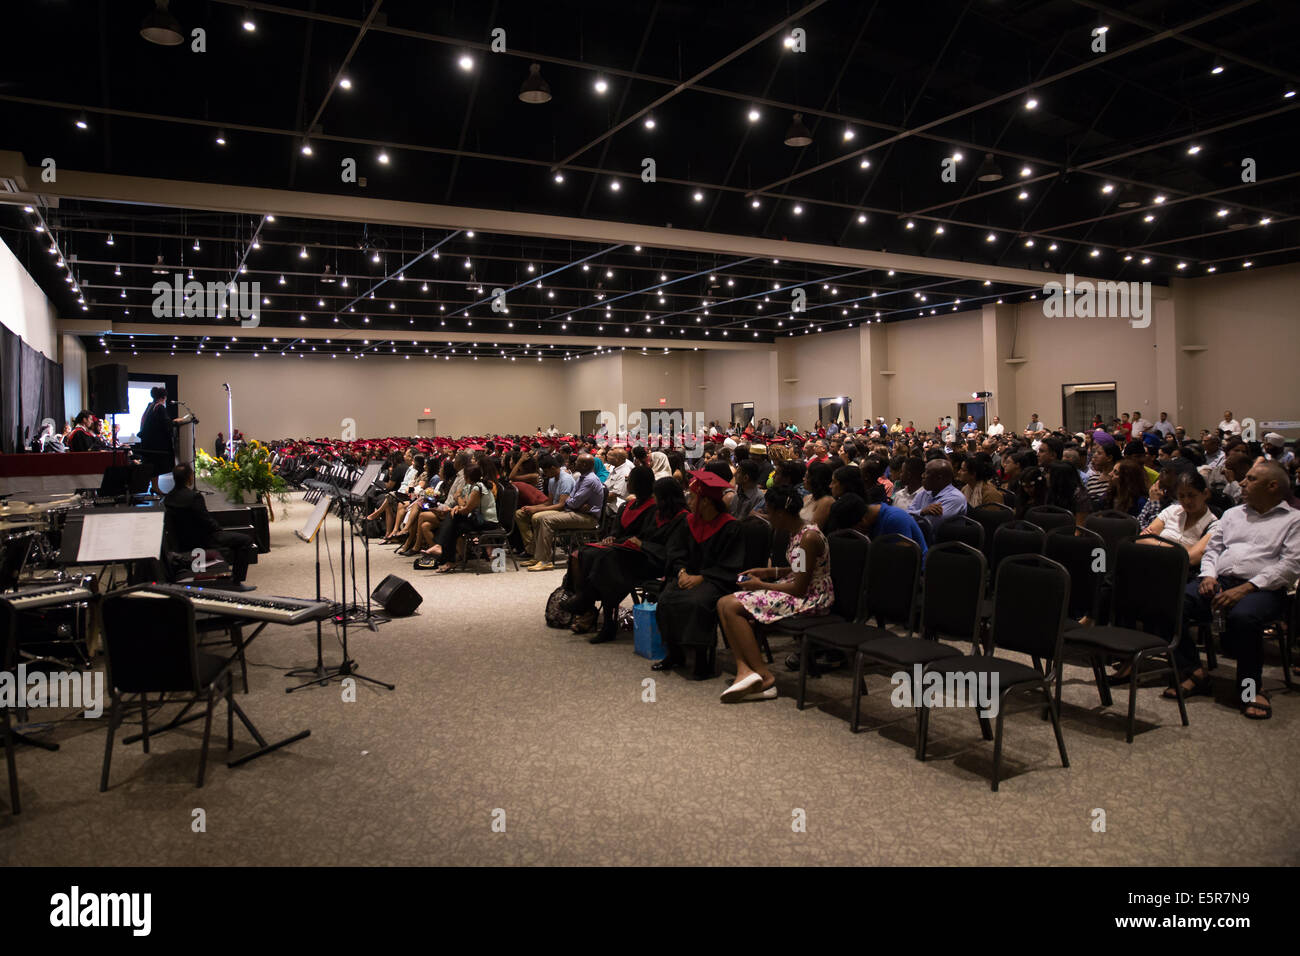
(192, 526)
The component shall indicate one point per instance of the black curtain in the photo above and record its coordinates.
(31, 389)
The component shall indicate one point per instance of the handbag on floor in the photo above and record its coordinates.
(555, 616)
(646, 640)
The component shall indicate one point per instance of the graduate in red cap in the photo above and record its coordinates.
(699, 571)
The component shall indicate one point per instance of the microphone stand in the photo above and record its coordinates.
(194, 442)
(230, 422)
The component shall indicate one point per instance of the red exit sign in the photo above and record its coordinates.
(663, 401)
(428, 411)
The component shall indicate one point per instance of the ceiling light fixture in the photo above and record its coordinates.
(535, 89)
(988, 171)
(466, 62)
(160, 27)
(797, 135)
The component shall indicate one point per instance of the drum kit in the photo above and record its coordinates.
(31, 530)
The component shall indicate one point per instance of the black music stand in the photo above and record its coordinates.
(320, 671)
(354, 501)
(347, 668)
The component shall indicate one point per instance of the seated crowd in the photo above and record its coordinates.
(627, 515)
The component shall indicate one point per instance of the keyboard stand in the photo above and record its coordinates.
(263, 747)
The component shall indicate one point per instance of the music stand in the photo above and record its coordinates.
(309, 532)
(347, 668)
(353, 500)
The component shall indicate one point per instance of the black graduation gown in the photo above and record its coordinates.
(590, 554)
(688, 617)
(614, 571)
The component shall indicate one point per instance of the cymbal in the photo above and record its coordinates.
(11, 525)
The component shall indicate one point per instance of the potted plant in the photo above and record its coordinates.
(249, 473)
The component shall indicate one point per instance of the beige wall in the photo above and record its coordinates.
(937, 361)
(1247, 321)
(1250, 323)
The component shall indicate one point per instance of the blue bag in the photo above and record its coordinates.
(645, 632)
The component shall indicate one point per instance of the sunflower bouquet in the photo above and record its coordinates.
(249, 473)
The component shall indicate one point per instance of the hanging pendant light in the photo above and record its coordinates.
(797, 134)
(535, 89)
(161, 27)
(988, 171)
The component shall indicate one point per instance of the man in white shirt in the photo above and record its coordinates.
(1165, 427)
(997, 428)
(1229, 425)
(1140, 424)
(1252, 558)
(619, 468)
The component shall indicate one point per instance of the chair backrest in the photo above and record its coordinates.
(757, 535)
(150, 643)
(960, 528)
(1150, 578)
(1016, 537)
(780, 543)
(893, 569)
(1114, 526)
(991, 517)
(848, 551)
(1083, 554)
(1029, 603)
(953, 591)
(1049, 517)
(507, 501)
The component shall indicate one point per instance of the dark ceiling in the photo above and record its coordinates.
(1130, 164)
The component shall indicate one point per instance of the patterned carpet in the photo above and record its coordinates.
(494, 712)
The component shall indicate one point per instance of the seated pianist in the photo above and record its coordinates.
(192, 527)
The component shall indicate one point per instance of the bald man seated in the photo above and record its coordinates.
(938, 498)
(1252, 558)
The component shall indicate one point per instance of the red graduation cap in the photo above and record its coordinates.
(710, 485)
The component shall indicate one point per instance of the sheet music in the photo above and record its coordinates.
(313, 523)
(367, 478)
(120, 537)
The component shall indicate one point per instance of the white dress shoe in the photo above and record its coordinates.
(742, 688)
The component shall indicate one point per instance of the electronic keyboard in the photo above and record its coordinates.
(277, 610)
(27, 599)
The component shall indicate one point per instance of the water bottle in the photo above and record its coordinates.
(1217, 624)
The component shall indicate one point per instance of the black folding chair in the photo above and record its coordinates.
(848, 554)
(1114, 526)
(151, 647)
(888, 596)
(8, 665)
(960, 528)
(991, 517)
(498, 537)
(1049, 517)
(951, 597)
(1147, 609)
(1031, 595)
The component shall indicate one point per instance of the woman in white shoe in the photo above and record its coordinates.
(772, 594)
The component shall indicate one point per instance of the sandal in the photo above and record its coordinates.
(1201, 686)
(1257, 704)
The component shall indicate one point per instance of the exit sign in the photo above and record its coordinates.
(663, 401)
(428, 411)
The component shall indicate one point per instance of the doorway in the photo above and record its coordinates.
(426, 427)
(742, 413)
(835, 410)
(589, 422)
(1081, 402)
(975, 410)
(662, 427)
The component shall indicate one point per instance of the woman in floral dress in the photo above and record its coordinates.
(769, 595)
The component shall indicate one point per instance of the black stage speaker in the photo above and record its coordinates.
(108, 391)
(397, 597)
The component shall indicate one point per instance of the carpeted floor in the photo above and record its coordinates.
(494, 712)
